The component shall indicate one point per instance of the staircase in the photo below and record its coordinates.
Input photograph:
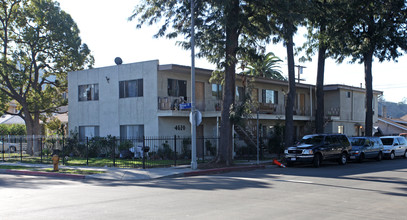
(249, 138)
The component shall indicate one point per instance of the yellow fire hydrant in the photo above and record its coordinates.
(55, 161)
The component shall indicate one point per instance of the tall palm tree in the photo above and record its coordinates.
(266, 65)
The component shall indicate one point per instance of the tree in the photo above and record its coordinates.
(224, 31)
(322, 19)
(265, 65)
(285, 16)
(380, 31)
(40, 44)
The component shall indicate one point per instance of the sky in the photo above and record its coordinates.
(105, 28)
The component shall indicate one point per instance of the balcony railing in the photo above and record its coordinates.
(175, 104)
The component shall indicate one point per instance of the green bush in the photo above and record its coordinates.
(13, 129)
(165, 153)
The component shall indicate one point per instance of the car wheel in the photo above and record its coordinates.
(361, 158)
(391, 157)
(379, 156)
(317, 160)
(405, 154)
(343, 159)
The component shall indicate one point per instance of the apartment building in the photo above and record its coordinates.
(146, 98)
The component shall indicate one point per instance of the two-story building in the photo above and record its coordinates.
(146, 98)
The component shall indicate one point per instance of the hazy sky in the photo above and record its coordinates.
(105, 28)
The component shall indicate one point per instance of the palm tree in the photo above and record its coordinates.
(266, 65)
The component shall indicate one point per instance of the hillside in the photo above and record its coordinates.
(394, 110)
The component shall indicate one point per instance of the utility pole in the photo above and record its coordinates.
(194, 164)
(299, 72)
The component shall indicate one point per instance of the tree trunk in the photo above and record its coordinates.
(369, 94)
(225, 151)
(319, 116)
(33, 129)
(289, 109)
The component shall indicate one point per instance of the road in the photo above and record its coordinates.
(371, 190)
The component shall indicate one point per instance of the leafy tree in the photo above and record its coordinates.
(224, 31)
(40, 43)
(380, 31)
(285, 17)
(322, 20)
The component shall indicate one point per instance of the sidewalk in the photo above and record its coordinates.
(126, 174)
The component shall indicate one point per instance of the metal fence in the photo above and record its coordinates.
(144, 152)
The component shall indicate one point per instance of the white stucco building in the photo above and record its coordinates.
(132, 100)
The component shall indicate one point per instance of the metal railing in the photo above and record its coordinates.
(143, 152)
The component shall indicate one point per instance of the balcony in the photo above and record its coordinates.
(174, 103)
(213, 105)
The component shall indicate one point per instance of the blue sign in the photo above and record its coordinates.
(185, 106)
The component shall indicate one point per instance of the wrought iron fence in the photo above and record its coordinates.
(144, 152)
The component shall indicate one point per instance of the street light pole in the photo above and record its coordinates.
(194, 164)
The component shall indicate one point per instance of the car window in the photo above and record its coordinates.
(312, 140)
(343, 140)
(401, 140)
(358, 141)
(387, 141)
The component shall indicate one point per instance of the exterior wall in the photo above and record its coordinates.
(109, 112)
(344, 106)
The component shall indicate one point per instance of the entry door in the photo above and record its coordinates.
(200, 96)
(302, 104)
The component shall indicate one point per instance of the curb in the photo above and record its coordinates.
(39, 173)
(223, 170)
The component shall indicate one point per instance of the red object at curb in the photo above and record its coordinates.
(278, 163)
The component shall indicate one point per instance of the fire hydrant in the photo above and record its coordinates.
(55, 161)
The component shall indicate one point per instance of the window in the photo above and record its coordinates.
(269, 96)
(88, 132)
(240, 94)
(340, 129)
(88, 92)
(177, 87)
(348, 94)
(131, 131)
(217, 91)
(131, 88)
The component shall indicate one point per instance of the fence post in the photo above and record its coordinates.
(175, 150)
(2, 141)
(21, 149)
(41, 142)
(87, 151)
(203, 149)
(63, 152)
(144, 158)
(114, 151)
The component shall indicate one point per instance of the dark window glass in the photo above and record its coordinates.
(177, 87)
(131, 88)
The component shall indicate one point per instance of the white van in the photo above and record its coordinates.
(394, 146)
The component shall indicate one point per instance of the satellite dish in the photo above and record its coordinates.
(118, 60)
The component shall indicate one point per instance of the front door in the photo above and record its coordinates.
(200, 96)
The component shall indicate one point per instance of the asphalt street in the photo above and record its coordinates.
(370, 190)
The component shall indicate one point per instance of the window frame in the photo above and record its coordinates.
(180, 87)
(91, 91)
(126, 92)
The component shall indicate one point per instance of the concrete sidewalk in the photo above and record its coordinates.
(126, 174)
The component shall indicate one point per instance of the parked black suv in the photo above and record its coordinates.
(318, 147)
